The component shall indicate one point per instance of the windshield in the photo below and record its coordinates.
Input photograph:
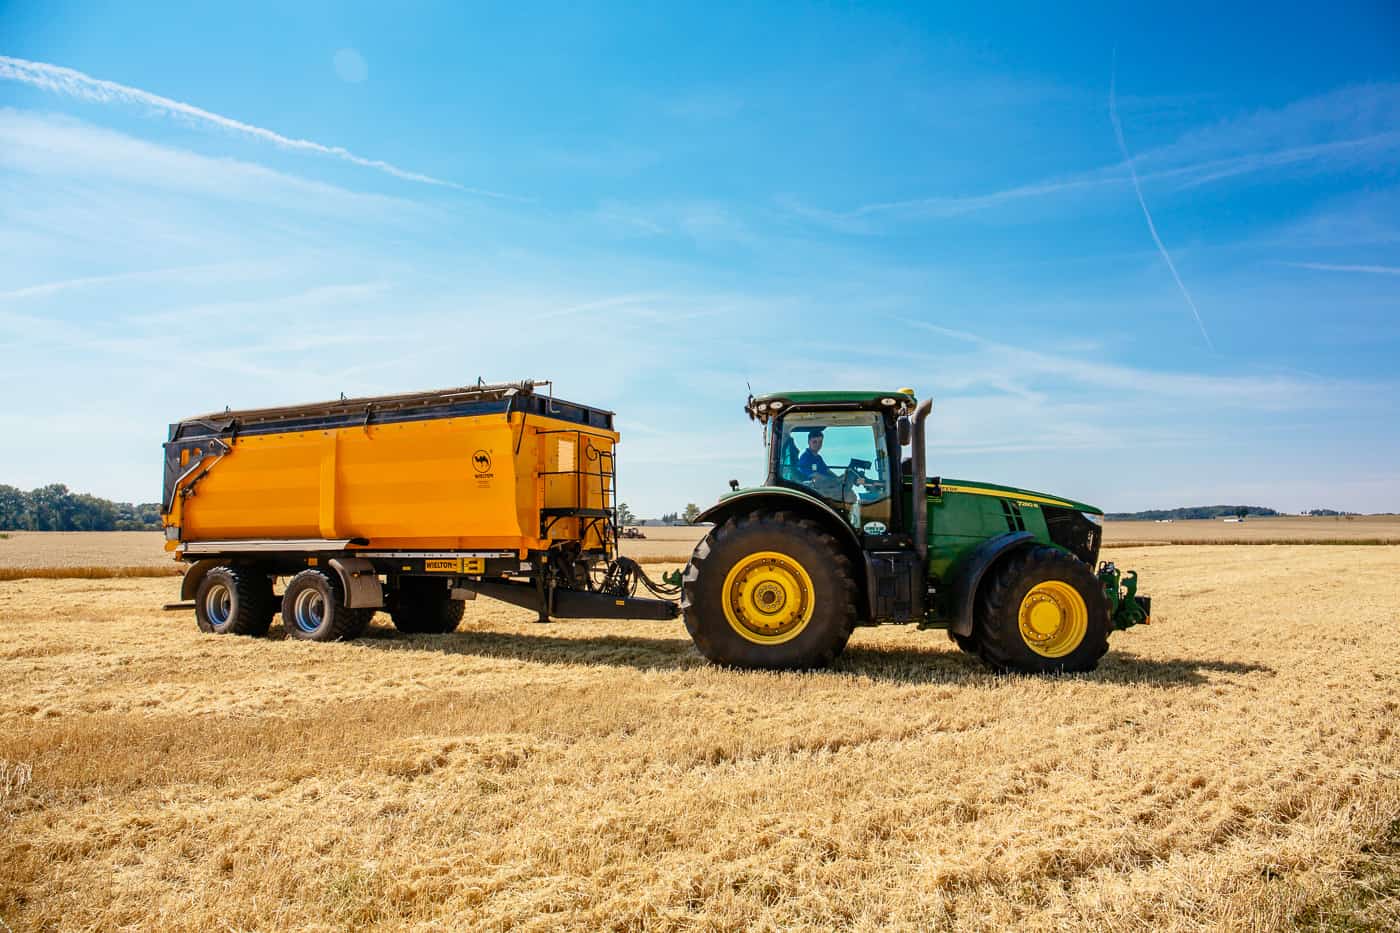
(839, 456)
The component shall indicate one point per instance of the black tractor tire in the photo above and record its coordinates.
(234, 601)
(966, 643)
(423, 606)
(313, 609)
(997, 614)
(816, 553)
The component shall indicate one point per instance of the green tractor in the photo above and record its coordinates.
(848, 530)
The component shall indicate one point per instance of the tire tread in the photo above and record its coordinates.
(253, 602)
(996, 631)
(709, 634)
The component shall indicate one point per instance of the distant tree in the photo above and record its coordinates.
(1241, 512)
(692, 512)
(625, 515)
(90, 513)
(670, 518)
(13, 509)
(50, 508)
(56, 508)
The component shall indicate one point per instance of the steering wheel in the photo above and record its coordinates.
(840, 484)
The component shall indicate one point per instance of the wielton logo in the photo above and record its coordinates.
(482, 461)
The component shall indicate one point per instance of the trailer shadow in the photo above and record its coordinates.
(932, 665)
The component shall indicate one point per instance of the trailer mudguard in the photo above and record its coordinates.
(361, 582)
(968, 577)
(194, 575)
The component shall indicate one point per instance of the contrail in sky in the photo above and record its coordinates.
(77, 84)
(1123, 147)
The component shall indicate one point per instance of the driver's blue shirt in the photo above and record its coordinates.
(811, 463)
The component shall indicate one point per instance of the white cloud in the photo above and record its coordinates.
(1358, 125)
(1332, 267)
(72, 83)
(61, 147)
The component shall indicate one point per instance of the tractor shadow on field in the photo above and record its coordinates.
(935, 664)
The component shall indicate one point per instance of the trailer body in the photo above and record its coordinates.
(489, 484)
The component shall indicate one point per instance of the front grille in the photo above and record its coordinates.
(1073, 532)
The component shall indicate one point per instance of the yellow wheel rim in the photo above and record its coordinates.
(768, 598)
(1054, 619)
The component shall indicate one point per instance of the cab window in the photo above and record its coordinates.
(839, 456)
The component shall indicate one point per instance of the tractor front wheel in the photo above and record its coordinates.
(1042, 612)
(769, 591)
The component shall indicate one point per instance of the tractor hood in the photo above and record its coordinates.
(974, 488)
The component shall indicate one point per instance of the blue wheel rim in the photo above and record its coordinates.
(309, 610)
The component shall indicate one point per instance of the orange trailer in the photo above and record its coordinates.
(409, 503)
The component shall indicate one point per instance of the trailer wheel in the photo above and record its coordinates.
(313, 609)
(1043, 612)
(423, 606)
(234, 601)
(363, 617)
(769, 591)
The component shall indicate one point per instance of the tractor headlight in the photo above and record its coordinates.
(1094, 517)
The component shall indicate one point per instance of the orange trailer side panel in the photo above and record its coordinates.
(463, 482)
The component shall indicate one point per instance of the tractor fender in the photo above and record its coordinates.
(195, 574)
(968, 577)
(777, 498)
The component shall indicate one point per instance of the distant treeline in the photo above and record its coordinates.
(55, 508)
(1194, 511)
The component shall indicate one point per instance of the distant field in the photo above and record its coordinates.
(1235, 765)
(84, 553)
(139, 553)
(1283, 529)
(673, 543)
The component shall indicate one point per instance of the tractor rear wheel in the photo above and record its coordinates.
(769, 590)
(966, 643)
(1042, 612)
(423, 606)
(234, 601)
(313, 609)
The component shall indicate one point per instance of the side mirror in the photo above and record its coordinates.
(906, 431)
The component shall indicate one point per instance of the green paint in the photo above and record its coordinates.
(1123, 602)
(820, 398)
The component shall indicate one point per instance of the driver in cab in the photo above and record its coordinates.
(811, 464)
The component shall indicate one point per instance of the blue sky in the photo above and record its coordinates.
(655, 207)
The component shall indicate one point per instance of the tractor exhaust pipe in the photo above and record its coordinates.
(919, 456)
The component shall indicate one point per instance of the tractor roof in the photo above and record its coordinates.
(768, 404)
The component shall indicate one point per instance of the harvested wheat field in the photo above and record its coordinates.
(1235, 764)
(84, 554)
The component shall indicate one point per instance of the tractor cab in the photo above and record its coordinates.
(844, 449)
